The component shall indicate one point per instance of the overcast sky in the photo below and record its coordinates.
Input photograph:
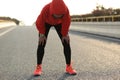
(28, 10)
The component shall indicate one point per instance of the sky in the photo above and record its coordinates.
(28, 10)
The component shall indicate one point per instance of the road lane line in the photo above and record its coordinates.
(1, 34)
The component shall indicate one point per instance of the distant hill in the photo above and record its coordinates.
(9, 19)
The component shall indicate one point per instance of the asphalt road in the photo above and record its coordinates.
(93, 59)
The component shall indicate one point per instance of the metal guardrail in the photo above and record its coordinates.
(111, 18)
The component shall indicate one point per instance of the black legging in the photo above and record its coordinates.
(66, 46)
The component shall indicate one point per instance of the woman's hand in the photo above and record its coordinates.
(42, 39)
(66, 38)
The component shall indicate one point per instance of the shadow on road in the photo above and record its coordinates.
(32, 77)
(64, 76)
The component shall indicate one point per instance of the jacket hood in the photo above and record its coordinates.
(58, 7)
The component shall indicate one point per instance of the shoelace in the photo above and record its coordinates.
(38, 67)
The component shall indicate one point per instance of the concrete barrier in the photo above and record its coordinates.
(110, 29)
(4, 24)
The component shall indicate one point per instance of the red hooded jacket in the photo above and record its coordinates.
(55, 7)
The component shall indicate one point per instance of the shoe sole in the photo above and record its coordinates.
(36, 75)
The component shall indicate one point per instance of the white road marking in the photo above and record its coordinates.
(1, 34)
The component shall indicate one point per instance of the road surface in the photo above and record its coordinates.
(93, 59)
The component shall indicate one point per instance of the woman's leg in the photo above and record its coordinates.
(66, 46)
(40, 49)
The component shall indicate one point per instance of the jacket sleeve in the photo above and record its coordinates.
(66, 24)
(40, 22)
